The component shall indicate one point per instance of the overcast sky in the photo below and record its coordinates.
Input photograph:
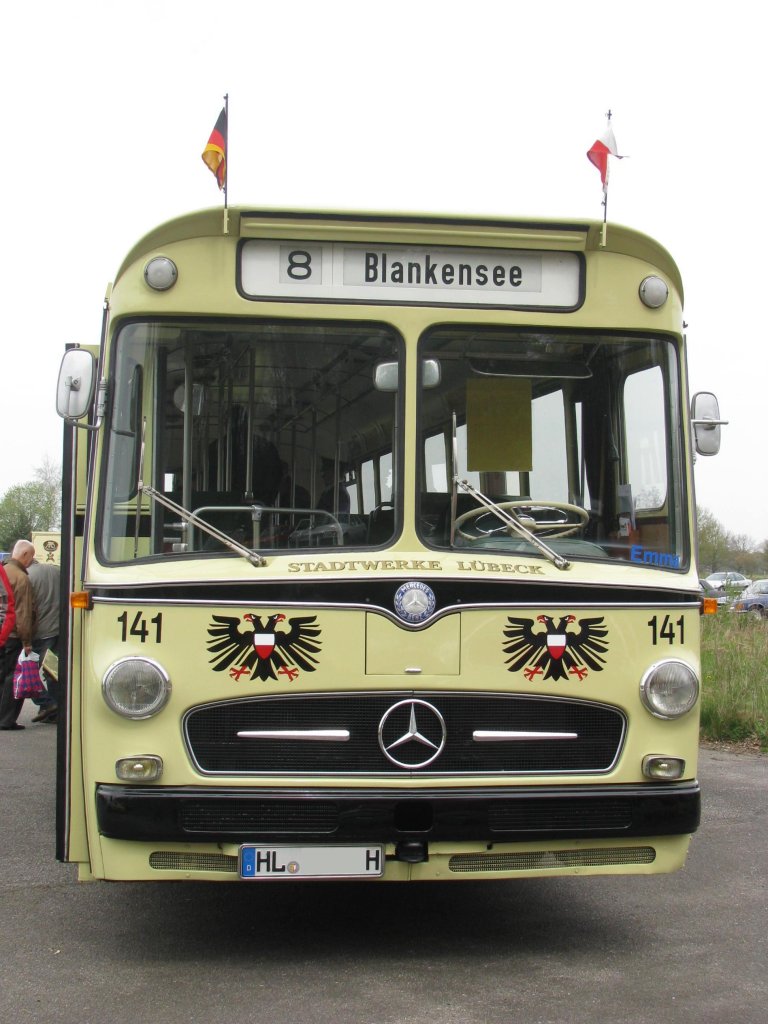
(440, 107)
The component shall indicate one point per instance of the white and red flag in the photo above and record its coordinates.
(599, 152)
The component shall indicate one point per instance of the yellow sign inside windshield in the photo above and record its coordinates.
(499, 425)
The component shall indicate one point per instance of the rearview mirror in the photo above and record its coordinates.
(430, 373)
(386, 377)
(77, 381)
(706, 422)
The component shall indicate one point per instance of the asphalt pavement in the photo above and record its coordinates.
(664, 949)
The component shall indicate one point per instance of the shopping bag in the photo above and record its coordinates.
(26, 678)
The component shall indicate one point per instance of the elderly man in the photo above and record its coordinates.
(21, 636)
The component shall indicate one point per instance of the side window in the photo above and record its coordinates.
(646, 438)
(436, 475)
(125, 431)
(369, 487)
(376, 478)
(385, 477)
(549, 477)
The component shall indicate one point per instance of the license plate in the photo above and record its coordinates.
(311, 861)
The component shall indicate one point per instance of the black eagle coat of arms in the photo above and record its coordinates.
(260, 650)
(556, 651)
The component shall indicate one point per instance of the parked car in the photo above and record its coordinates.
(321, 529)
(723, 580)
(753, 599)
(709, 591)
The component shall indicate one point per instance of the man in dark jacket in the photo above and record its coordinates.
(46, 579)
(21, 636)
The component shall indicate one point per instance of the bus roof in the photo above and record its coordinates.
(404, 228)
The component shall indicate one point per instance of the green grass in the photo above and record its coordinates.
(734, 661)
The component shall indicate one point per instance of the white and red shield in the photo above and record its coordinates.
(264, 643)
(556, 644)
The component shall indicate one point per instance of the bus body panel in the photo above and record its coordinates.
(323, 623)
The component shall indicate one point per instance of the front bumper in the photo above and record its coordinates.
(381, 815)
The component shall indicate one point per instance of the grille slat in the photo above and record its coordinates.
(211, 734)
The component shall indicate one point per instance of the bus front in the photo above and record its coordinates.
(387, 567)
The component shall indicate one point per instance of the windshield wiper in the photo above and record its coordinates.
(189, 517)
(513, 523)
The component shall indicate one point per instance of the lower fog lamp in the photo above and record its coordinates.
(144, 768)
(666, 769)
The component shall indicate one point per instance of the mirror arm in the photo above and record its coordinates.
(709, 423)
(101, 404)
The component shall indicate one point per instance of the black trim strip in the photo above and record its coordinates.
(495, 814)
(377, 592)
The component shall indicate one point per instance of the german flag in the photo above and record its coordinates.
(215, 152)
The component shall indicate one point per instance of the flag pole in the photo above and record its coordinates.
(604, 234)
(226, 169)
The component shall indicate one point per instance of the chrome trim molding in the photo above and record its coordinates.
(321, 735)
(493, 736)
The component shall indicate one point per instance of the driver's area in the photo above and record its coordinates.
(559, 440)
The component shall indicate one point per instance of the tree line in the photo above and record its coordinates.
(720, 550)
(35, 505)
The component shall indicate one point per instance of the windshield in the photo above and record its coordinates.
(274, 433)
(575, 434)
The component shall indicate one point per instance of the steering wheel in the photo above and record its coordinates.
(553, 528)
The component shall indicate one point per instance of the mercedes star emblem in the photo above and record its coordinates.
(412, 733)
(414, 602)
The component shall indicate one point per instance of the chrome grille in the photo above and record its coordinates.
(559, 858)
(575, 737)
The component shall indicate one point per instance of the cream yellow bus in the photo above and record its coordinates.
(379, 532)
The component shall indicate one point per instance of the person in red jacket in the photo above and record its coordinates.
(21, 636)
(7, 608)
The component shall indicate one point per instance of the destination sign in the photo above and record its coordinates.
(433, 275)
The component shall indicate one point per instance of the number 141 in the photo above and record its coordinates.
(669, 630)
(140, 628)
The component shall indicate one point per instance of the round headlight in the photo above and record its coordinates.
(669, 688)
(136, 687)
(160, 273)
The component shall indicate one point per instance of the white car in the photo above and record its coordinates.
(715, 592)
(322, 529)
(723, 580)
